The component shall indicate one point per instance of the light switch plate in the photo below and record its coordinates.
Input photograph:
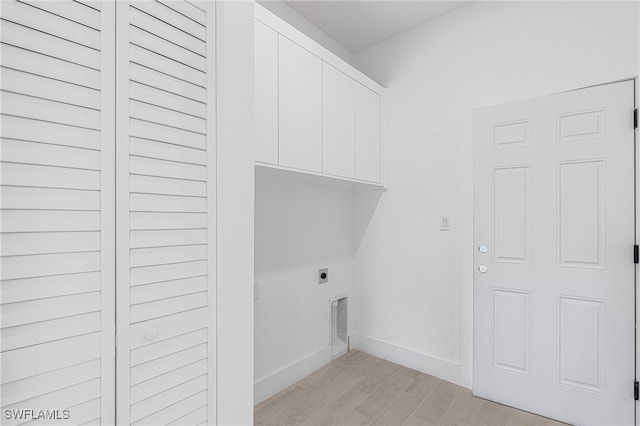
(445, 223)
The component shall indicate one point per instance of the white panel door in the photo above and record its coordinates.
(554, 272)
(368, 134)
(266, 92)
(300, 104)
(57, 212)
(166, 212)
(338, 122)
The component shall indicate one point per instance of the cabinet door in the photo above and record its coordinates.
(300, 118)
(166, 212)
(57, 217)
(266, 92)
(338, 121)
(368, 134)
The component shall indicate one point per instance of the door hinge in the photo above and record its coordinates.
(636, 253)
(636, 390)
(635, 118)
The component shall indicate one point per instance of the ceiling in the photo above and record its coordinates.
(358, 24)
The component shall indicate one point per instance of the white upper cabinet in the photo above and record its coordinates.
(266, 93)
(368, 131)
(338, 121)
(300, 117)
(316, 117)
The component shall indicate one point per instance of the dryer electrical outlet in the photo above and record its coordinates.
(323, 275)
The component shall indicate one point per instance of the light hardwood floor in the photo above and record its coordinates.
(360, 389)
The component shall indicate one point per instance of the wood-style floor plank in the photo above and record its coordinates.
(342, 406)
(409, 372)
(283, 410)
(423, 385)
(438, 402)
(354, 418)
(463, 410)
(399, 410)
(387, 392)
(380, 372)
(493, 414)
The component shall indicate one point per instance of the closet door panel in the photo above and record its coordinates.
(300, 104)
(57, 209)
(166, 193)
(338, 116)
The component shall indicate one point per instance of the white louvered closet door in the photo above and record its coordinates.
(57, 210)
(165, 212)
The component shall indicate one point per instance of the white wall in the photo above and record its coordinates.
(234, 343)
(288, 14)
(299, 228)
(413, 283)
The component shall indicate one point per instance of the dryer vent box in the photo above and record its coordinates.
(339, 327)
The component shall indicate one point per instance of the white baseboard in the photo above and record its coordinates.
(289, 374)
(440, 368)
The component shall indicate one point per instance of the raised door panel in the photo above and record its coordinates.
(368, 132)
(57, 211)
(166, 210)
(300, 105)
(338, 122)
(266, 92)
